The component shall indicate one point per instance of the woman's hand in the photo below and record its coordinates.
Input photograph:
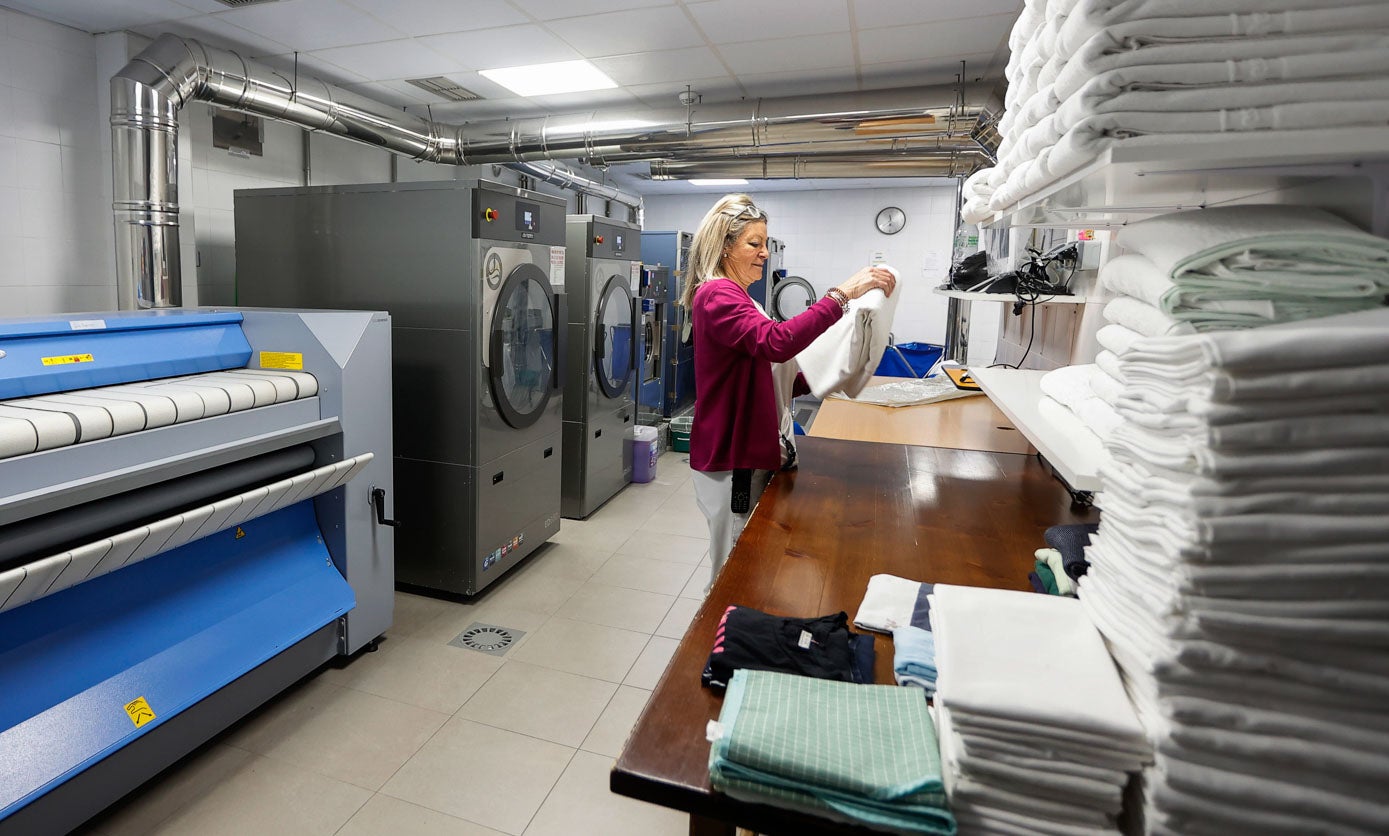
(867, 279)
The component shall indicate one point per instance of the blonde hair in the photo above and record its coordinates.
(720, 228)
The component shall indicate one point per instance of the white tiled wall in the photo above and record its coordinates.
(830, 234)
(53, 218)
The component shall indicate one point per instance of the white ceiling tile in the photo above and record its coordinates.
(105, 16)
(813, 52)
(508, 46)
(951, 37)
(306, 63)
(662, 66)
(218, 33)
(798, 83)
(664, 95)
(875, 14)
(485, 110)
(389, 59)
(312, 24)
(431, 17)
(620, 33)
(730, 21)
(552, 9)
(608, 100)
(922, 73)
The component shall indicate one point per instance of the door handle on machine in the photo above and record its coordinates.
(378, 502)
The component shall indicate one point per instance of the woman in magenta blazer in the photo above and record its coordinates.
(736, 441)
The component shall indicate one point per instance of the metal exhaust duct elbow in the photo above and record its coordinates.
(147, 94)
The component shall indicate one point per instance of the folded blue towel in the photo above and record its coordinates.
(914, 657)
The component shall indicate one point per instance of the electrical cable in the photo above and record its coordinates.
(1035, 285)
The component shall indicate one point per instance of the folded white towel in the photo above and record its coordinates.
(1262, 237)
(1225, 19)
(984, 650)
(887, 604)
(1099, 417)
(1133, 274)
(844, 358)
(1139, 316)
(1070, 425)
(1068, 385)
(1221, 61)
(1117, 339)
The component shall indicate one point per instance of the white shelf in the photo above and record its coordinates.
(1146, 176)
(1006, 297)
(1075, 455)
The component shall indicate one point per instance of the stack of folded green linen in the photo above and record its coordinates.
(863, 754)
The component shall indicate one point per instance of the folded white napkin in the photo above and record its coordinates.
(887, 604)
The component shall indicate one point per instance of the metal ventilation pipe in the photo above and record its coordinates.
(148, 92)
(801, 167)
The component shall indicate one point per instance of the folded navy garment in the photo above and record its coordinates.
(749, 639)
(862, 657)
(1036, 581)
(1071, 541)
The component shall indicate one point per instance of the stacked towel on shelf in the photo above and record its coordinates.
(862, 754)
(1238, 574)
(1088, 75)
(1069, 397)
(1242, 267)
(1032, 742)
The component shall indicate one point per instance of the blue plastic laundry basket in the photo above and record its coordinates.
(909, 359)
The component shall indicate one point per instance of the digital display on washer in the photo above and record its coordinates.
(617, 244)
(527, 216)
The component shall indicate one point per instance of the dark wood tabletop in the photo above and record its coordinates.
(853, 509)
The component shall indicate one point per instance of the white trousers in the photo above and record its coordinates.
(714, 494)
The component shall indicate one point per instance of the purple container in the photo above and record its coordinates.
(644, 453)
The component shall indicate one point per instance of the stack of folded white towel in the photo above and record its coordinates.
(1070, 394)
(1239, 578)
(1242, 267)
(1036, 732)
(1086, 74)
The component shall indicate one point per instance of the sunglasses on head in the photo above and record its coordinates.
(749, 210)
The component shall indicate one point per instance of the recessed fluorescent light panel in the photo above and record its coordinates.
(734, 181)
(551, 79)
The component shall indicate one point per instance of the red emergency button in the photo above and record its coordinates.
(597, 239)
(489, 214)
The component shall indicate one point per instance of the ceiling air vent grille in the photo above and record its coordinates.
(440, 86)
(236, 4)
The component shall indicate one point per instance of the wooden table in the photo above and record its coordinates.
(972, 423)
(852, 510)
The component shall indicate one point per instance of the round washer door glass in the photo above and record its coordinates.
(791, 297)
(612, 344)
(522, 367)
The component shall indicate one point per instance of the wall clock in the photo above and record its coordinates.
(891, 220)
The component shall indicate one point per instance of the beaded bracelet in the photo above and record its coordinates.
(838, 295)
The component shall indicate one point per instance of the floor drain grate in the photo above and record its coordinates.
(488, 638)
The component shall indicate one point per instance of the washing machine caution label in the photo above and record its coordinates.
(636, 273)
(139, 711)
(557, 265)
(283, 360)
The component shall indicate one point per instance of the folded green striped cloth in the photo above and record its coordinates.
(864, 754)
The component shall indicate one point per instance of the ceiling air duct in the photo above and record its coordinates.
(823, 132)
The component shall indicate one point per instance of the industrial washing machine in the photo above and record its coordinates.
(653, 303)
(790, 296)
(603, 264)
(673, 248)
(470, 272)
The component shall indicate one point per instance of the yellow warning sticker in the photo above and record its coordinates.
(286, 360)
(240, 532)
(66, 359)
(139, 711)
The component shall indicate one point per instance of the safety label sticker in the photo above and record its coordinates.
(65, 359)
(284, 360)
(139, 711)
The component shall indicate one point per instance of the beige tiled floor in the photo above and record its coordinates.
(422, 737)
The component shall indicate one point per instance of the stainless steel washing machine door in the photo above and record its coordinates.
(613, 343)
(524, 343)
(791, 296)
